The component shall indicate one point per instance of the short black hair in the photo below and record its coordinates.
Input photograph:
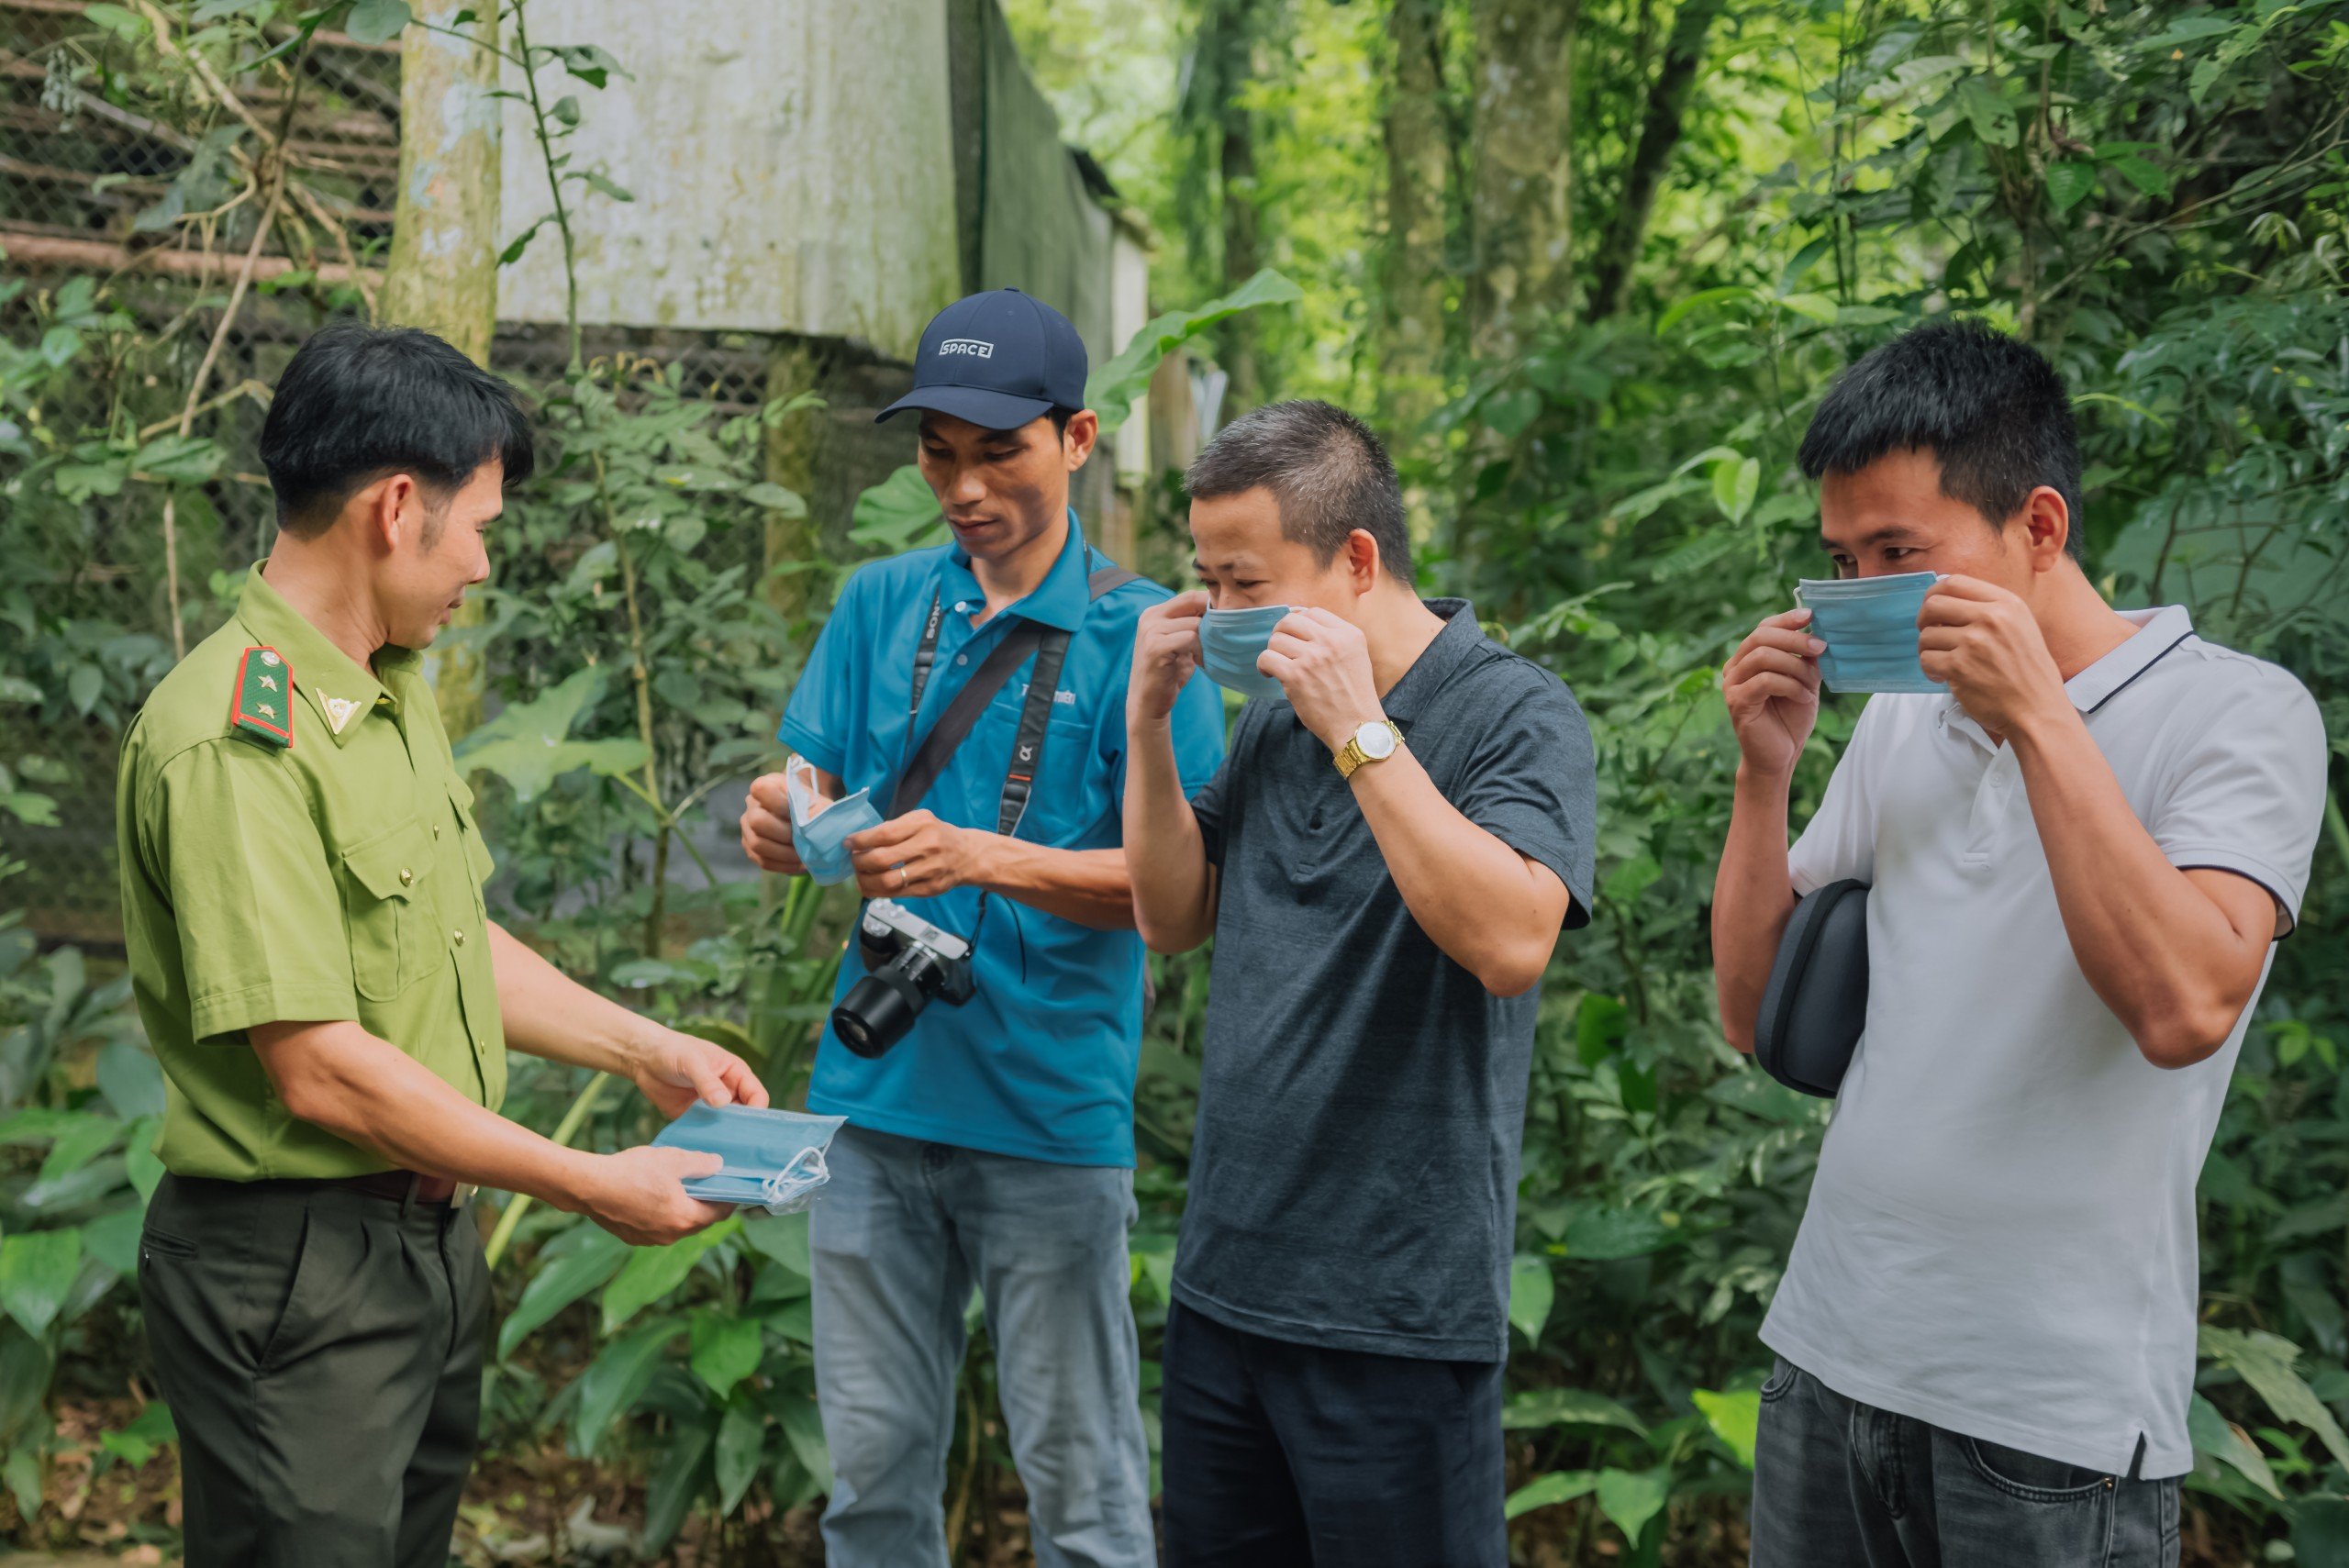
(360, 402)
(1991, 409)
(1329, 473)
(1060, 418)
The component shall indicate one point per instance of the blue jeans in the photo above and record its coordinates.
(1842, 1484)
(900, 1235)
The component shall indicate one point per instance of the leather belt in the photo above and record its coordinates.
(402, 1186)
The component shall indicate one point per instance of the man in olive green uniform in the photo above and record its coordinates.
(302, 894)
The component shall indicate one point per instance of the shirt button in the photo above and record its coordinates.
(460, 937)
(962, 659)
(436, 830)
(406, 877)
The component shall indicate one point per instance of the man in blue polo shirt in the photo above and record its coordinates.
(993, 1143)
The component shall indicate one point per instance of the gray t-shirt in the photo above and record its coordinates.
(1362, 1096)
(2000, 1239)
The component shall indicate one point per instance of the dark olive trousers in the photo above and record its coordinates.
(321, 1350)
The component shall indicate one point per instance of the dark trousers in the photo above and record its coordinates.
(1281, 1455)
(321, 1350)
(1842, 1484)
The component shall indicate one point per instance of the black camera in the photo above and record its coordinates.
(912, 963)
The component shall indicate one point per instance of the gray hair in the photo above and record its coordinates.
(1327, 471)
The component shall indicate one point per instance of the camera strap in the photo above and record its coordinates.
(1049, 645)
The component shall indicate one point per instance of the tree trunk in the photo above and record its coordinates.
(442, 273)
(1618, 254)
(1236, 175)
(793, 365)
(1519, 210)
(1419, 161)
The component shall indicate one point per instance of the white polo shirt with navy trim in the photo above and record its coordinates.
(2000, 1239)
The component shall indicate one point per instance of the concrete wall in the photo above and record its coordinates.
(791, 162)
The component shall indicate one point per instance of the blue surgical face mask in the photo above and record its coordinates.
(1869, 625)
(774, 1159)
(1229, 642)
(820, 834)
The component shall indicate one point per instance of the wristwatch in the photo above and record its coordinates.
(1373, 742)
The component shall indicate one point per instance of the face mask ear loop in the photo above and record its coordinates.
(806, 1170)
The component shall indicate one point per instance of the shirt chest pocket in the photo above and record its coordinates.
(1059, 769)
(387, 911)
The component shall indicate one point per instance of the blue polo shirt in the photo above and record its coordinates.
(1040, 1062)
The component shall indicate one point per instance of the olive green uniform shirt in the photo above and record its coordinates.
(335, 877)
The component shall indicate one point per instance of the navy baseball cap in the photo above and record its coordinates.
(998, 359)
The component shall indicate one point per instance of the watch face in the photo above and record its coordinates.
(1377, 742)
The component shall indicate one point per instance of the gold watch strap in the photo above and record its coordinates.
(1351, 756)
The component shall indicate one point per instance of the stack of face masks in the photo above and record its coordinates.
(774, 1158)
(1229, 642)
(1869, 625)
(820, 832)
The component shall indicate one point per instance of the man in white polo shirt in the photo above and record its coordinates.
(2079, 858)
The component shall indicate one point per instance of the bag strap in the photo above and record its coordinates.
(1049, 646)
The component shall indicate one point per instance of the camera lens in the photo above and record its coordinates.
(876, 1012)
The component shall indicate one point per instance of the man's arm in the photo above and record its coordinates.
(368, 1092)
(2175, 954)
(1771, 685)
(548, 1014)
(917, 856)
(1173, 881)
(1492, 909)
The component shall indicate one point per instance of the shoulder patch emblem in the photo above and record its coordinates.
(262, 708)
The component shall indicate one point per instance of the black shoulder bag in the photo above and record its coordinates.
(1817, 1001)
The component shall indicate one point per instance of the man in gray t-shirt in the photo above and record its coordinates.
(2080, 852)
(1401, 827)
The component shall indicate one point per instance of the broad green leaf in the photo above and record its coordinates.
(1532, 1290)
(186, 460)
(2265, 1361)
(529, 746)
(23, 1473)
(25, 1369)
(2321, 1533)
(1558, 1486)
(803, 1427)
(131, 1079)
(1508, 413)
(726, 1350)
(652, 1273)
(2147, 177)
(676, 1483)
(150, 1430)
(776, 498)
(588, 1256)
(741, 1439)
(119, 20)
(113, 1238)
(83, 686)
(76, 1147)
(1533, 1409)
(1988, 111)
(2068, 182)
(1734, 486)
(37, 1269)
(1112, 391)
(1735, 1417)
(898, 513)
(1632, 1497)
(783, 1237)
(376, 21)
(1680, 309)
(2223, 1440)
(1817, 308)
(1597, 1234)
(614, 1379)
